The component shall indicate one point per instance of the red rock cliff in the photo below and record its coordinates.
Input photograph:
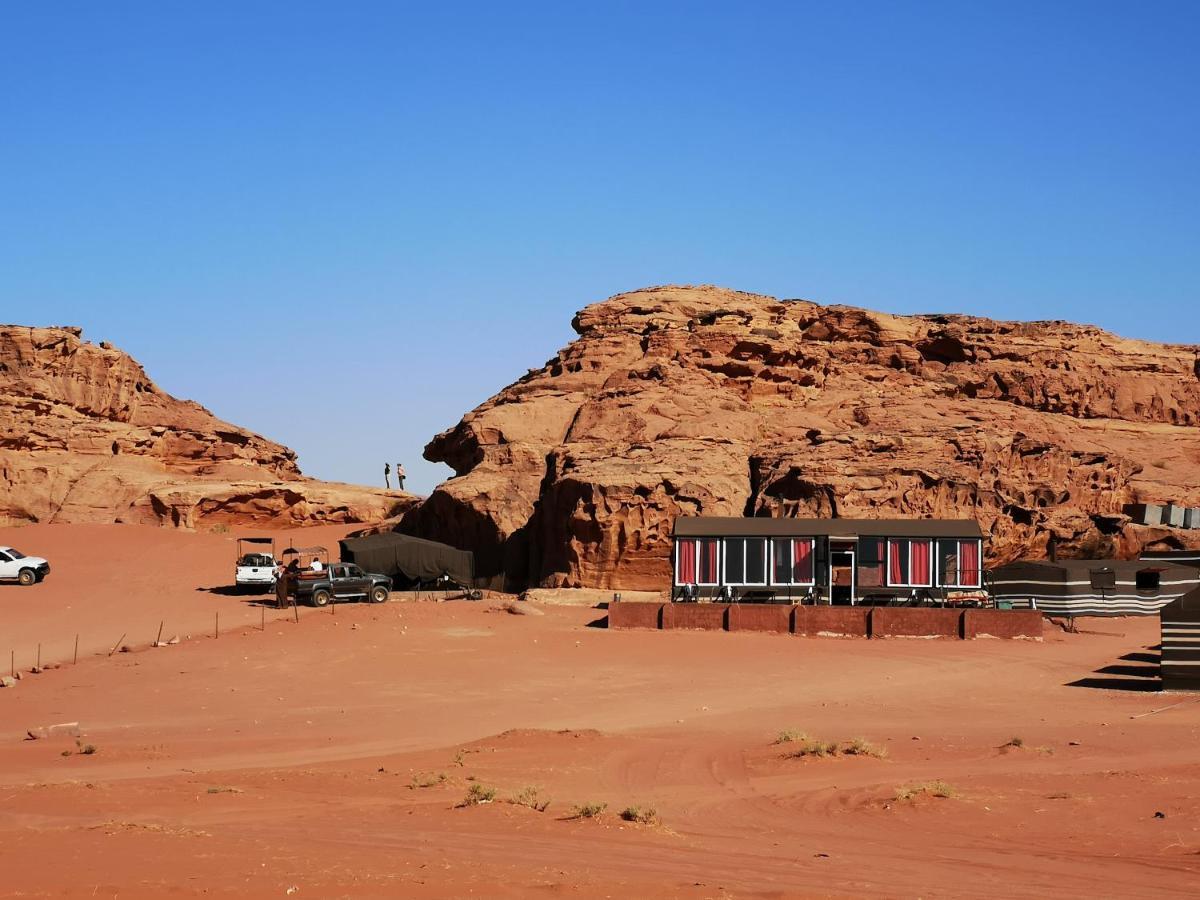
(86, 436)
(684, 401)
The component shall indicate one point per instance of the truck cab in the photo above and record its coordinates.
(342, 581)
(256, 563)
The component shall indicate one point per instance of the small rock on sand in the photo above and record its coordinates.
(522, 609)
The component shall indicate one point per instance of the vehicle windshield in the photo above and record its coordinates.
(15, 553)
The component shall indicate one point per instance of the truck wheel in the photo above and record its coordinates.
(379, 594)
(26, 577)
(320, 598)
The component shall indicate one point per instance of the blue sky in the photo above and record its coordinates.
(393, 210)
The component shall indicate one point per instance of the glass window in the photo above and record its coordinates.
(909, 563)
(1103, 579)
(792, 561)
(707, 573)
(870, 562)
(696, 561)
(958, 564)
(1148, 580)
(745, 561)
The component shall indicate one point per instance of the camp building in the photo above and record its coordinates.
(841, 561)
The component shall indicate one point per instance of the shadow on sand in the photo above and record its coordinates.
(1118, 677)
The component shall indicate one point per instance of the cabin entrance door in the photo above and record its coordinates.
(841, 576)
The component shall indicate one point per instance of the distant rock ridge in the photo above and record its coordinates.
(701, 400)
(86, 436)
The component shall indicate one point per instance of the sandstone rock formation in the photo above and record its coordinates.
(86, 436)
(683, 401)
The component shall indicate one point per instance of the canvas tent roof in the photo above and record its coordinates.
(394, 554)
(763, 526)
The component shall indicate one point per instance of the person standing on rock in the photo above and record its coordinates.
(387, 470)
(400, 474)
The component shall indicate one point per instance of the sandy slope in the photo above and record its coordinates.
(318, 729)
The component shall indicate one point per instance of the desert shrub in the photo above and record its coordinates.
(224, 790)
(478, 794)
(928, 788)
(530, 796)
(862, 747)
(1015, 742)
(643, 815)
(788, 735)
(88, 749)
(426, 779)
(807, 746)
(590, 810)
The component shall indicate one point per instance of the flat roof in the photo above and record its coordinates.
(763, 526)
(1080, 566)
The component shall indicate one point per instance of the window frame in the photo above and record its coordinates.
(695, 579)
(958, 569)
(910, 583)
(767, 562)
(812, 557)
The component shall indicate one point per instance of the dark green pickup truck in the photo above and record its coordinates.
(341, 581)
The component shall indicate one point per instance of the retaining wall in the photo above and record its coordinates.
(755, 617)
(830, 621)
(702, 616)
(1010, 623)
(915, 622)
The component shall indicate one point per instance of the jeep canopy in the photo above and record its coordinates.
(414, 558)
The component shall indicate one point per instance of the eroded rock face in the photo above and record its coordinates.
(685, 401)
(86, 436)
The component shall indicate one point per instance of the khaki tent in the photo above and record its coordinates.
(414, 559)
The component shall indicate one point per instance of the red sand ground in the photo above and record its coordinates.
(264, 762)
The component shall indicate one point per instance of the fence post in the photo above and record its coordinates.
(75, 658)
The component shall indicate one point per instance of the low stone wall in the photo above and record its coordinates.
(1002, 623)
(755, 617)
(699, 616)
(635, 615)
(830, 621)
(915, 622)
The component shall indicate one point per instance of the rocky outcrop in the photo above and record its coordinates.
(86, 436)
(683, 401)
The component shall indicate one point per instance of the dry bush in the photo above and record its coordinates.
(642, 815)
(863, 747)
(788, 735)
(478, 794)
(590, 810)
(426, 779)
(928, 788)
(530, 796)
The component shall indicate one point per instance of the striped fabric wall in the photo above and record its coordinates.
(1180, 651)
(1077, 598)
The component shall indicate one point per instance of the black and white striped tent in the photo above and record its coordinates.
(1093, 587)
(1181, 643)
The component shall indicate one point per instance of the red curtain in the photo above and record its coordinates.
(687, 562)
(968, 552)
(895, 573)
(802, 567)
(708, 562)
(920, 563)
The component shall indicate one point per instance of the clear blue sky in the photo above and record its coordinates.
(395, 209)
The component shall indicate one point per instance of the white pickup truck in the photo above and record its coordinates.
(256, 563)
(25, 570)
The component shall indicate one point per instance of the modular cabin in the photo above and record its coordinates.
(1173, 557)
(1092, 587)
(838, 561)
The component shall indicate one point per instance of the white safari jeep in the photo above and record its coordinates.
(26, 570)
(256, 562)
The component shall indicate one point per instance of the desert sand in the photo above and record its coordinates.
(329, 757)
